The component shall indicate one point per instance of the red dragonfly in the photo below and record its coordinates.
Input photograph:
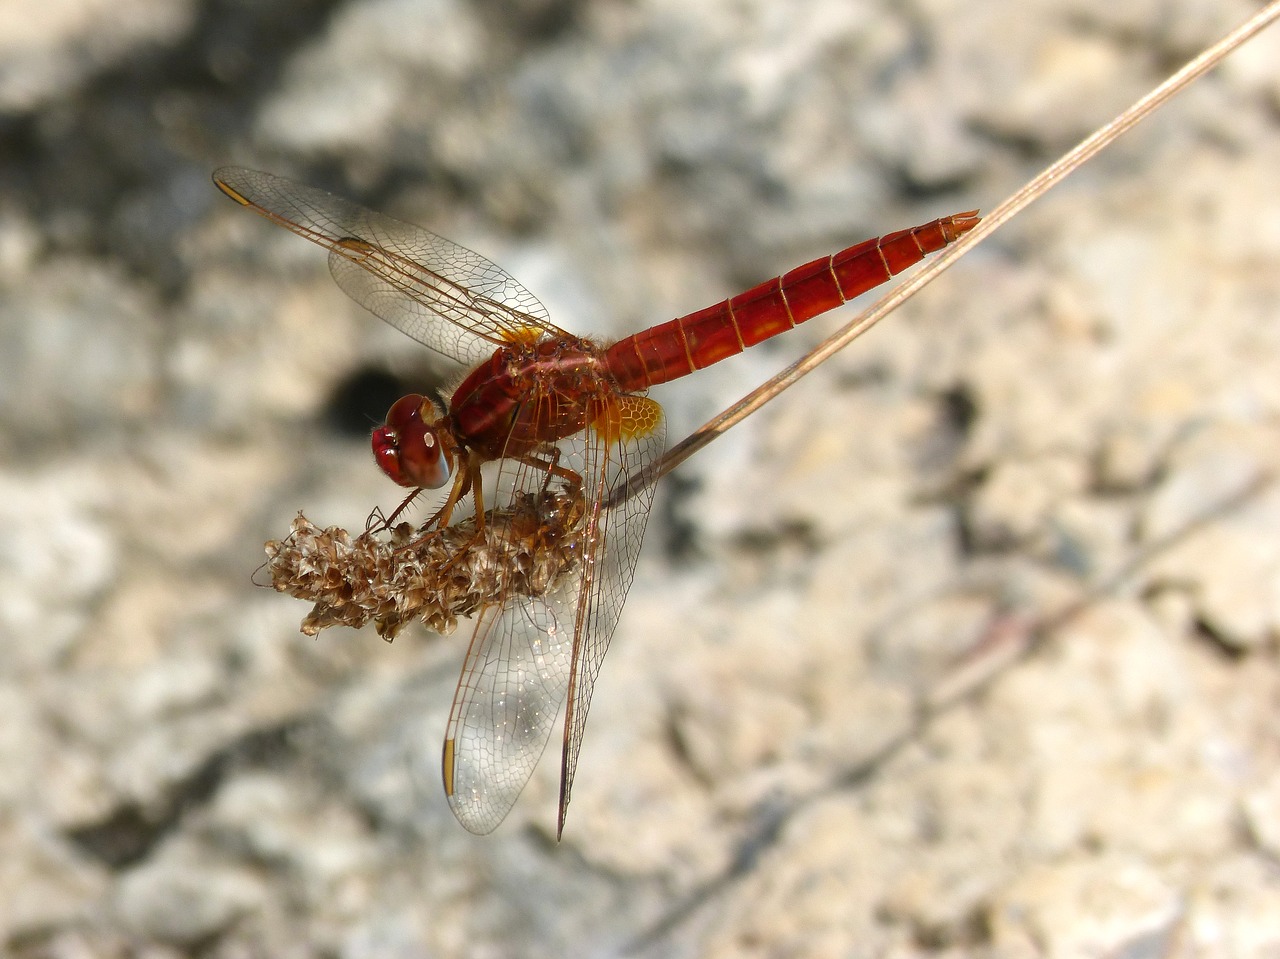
(541, 409)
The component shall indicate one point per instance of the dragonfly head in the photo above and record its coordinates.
(411, 447)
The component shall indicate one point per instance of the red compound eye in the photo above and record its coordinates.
(408, 448)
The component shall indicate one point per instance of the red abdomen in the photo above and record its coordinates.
(679, 347)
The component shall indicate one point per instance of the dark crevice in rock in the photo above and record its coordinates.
(129, 833)
(360, 400)
(107, 166)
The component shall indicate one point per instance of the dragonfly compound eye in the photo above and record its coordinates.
(408, 448)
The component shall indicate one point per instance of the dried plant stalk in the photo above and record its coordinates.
(392, 577)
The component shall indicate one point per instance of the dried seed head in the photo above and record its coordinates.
(392, 577)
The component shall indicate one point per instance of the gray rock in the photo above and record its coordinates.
(963, 647)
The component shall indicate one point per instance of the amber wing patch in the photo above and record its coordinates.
(627, 418)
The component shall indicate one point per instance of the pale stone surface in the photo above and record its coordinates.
(44, 53)
(967, 646)
(42, 884)
(183, 898)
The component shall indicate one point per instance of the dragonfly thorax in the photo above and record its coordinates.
(528, 394)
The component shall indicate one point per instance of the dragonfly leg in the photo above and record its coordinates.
(466, 478)
(379, 523)
(551, 468)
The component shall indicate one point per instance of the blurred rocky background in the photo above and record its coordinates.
(967, 646)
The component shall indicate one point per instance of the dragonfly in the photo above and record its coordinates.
(539, 412)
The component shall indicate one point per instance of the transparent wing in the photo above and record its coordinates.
(528, 654)
(443, 295)
(512, 686)
(627, 440)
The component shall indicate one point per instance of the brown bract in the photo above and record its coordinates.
(392, 577)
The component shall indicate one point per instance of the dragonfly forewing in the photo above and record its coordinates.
(445, 296)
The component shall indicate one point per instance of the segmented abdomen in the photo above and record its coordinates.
(677, 348)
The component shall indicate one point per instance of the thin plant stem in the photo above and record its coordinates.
(1101, 138)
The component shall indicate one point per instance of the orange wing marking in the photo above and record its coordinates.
(627, 418)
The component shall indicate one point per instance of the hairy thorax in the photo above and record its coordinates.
(527, 394)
